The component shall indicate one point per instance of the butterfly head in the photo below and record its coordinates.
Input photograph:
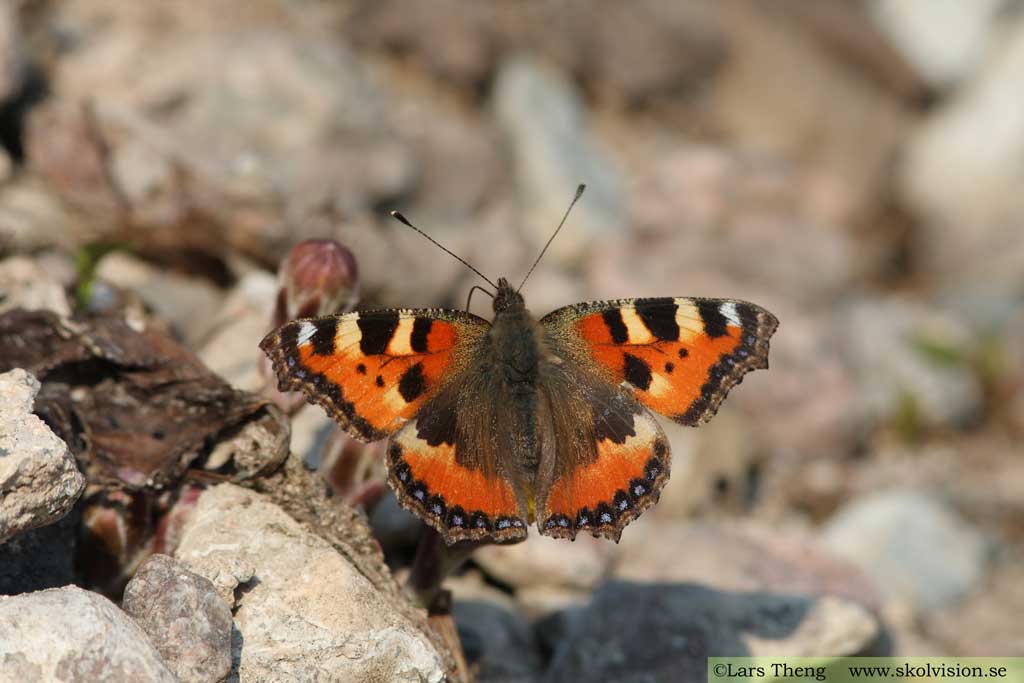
(507, 298)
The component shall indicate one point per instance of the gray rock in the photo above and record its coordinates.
(39, 479)
(184, 616)
(665, 632)
(543, 117)
(70, 634)
(302, 611)
(41, 558)
(904, 359)
(497, 642)
(913, 545)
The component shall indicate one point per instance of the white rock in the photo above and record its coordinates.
(39, 479)
(944, 39)
(304, 612)
(913, 546)
(70, 634)
(962, 172)
(26, 284)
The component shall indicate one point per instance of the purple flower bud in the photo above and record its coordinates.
(318, 277)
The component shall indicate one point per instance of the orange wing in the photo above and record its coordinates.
(372, 371)
(607, 456)
(678, 356)
(462, 498)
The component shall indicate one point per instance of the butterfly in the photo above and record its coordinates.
(496, 425)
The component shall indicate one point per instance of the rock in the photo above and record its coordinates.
(39, 478)
(921, 379)
(26, 284)
(944, 41)
(70, 634)
(543, 560)
(543, 118)
(188, 622)
(498, 642)
(810, 72)
(742, 558)
(12, 56)
(302, 611)
(985, 624)
(289, 124)
(736, 222)
(912, 545)
(42, 558)
(665, 632)
(243, 319)
(189, 303)
(965, 186)
(31, 218)
(649, 50)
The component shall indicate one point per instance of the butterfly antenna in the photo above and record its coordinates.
(576, 198)
(402, 219)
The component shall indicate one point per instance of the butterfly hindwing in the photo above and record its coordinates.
(464, 492)
(605, 458)
(679, 356)
(373, 371)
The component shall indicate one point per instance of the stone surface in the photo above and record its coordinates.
(913, 545)
(301, 609)
(24, 283)
(41, 558)
(746, 557)
(69, 634)
(662, 632)
(39, 479)
(543, 118)
(543, 560)
(189, 303)
(945, 41)
(497, 642)
(186, 619)
(232, 350)
(918, 378)
(12, 54)
(962, 174)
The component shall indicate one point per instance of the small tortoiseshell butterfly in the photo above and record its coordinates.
(495, 425)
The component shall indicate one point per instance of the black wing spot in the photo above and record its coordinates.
(361, 369)
(669, 367)
(659, 316)
(420, 332)
(412, 384)
(379, 381)
(613, 319)
(638, 372)
(683, 353)
(376, 332)
(714, 322)
(323, 339)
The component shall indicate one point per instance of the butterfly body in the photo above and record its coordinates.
(496, 425)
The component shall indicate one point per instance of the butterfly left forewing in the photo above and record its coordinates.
(679, 356)
(373, 370)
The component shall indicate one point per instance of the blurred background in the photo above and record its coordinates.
(854, 167)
